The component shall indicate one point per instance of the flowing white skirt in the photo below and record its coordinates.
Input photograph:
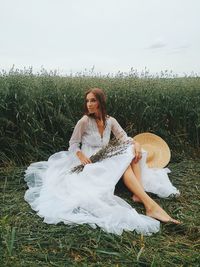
(88, 197)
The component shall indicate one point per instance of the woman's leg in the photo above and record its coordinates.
(152, 208)
(137, 171)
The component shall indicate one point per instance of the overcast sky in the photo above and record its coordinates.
(111, 35)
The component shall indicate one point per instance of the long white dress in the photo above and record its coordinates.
(88, 197)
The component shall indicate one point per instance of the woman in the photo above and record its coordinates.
(59, 195)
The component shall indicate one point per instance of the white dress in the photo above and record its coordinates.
(88, 197)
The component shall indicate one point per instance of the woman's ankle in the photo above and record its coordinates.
(150, 206)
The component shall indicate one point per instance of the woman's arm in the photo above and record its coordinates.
(76, 138)
(118, 131)
(120, 134)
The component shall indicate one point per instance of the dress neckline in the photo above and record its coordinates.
(96, 126)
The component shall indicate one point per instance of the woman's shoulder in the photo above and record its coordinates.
(83, 120)
(112, 119)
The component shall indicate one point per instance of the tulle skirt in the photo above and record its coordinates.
(57, 195)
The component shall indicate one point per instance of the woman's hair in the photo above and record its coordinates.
(101, 98)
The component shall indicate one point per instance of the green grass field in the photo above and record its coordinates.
(27, 241)
(38, 112)
(37, 116)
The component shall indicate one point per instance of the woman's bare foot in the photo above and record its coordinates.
(136, 198)
(158, 213)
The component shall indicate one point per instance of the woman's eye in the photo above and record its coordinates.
(90, 100)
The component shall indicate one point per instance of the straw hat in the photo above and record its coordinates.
(158, 152)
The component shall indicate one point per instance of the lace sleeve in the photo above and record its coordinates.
(75, 140)
(118, 132)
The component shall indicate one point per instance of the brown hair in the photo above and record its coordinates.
(101, 98)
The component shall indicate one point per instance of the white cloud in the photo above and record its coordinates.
(157, 44)
(182, 48)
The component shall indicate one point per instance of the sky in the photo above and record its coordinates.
(105, 36)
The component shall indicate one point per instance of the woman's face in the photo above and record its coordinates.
(92, 103)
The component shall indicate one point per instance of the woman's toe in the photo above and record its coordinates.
(174, 221)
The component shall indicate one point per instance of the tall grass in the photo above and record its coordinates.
(38, 111)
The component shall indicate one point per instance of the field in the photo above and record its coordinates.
(27, 241)
(38, 113)
(37, 116)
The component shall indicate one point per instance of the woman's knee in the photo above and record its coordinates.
(128, 171)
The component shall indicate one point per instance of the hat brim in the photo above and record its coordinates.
(156, 147)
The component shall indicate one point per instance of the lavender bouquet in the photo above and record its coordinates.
(115, 147)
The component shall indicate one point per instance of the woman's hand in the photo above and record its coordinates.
(138, 152)
(83, 159)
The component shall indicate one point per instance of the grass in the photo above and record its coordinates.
(37, 116)
(38, 112)
(27, 241)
